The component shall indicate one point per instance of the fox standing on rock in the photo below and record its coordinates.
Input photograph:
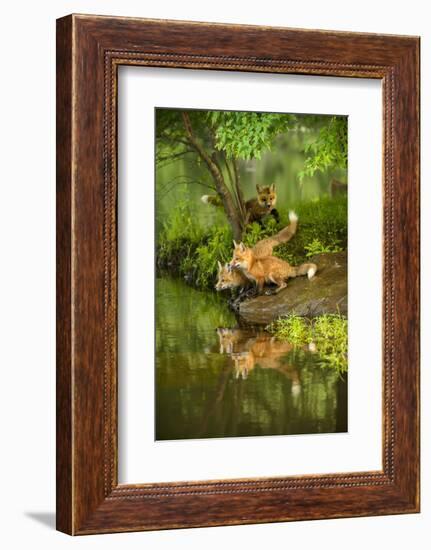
(255, 208)
(257, 265)
(260, 267)
(229, 278)
(268, 269)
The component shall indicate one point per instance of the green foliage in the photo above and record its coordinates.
(256, 232)
(317, 247)
(182, 224)
(297, 330)
(186, 249)
(178, 239)
(217, 248)
(245, 135)
(331, 339)
(329, 150)
(326, 335)
(322, 228)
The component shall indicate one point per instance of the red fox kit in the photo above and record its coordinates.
(257, 207)
(269, 269)
(228, 278)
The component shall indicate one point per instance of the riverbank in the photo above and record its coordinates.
(185, 249)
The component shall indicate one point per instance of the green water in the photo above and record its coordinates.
(216, 379)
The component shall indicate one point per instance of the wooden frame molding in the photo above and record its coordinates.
(89, 51)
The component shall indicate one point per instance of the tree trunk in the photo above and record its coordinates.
(236, 190)
(239, 191)
(223, 191)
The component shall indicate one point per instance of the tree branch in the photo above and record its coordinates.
(239, 192)
(173, 156)
(216, 173)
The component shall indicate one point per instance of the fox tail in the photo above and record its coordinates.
(211, 199)
(305, 269)
(289, 231)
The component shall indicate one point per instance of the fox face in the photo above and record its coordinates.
(266, 196)
(242, 256)
(228, 278)
(227, 338)
(232, 340)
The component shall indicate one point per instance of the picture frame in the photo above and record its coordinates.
(89, 51)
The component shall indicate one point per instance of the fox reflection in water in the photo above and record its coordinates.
(249, 350)
(235, 381)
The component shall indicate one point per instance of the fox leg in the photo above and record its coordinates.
(280, 286)
(259, 284)
(279, 281)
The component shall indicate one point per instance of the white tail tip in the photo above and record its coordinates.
(311, 272)
(293, 217)
(205, 199)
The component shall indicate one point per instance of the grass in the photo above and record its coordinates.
(186, 249)
(322, 228)
(327, 334)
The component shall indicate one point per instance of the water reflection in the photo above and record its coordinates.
(249, 349)
(233, 381)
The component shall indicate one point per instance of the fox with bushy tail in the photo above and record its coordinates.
(231, 278)
(268, 269)
(266, 246)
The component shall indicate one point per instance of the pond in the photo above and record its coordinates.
(215, 378)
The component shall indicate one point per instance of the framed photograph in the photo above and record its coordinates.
(237, 274)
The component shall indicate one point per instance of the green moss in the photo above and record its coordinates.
(326, 334)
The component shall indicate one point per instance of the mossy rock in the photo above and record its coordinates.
(326, 292)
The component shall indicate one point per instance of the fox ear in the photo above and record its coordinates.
(272, 188)
(234, 244)
(241, 247)
(257, 188)
(219, 266)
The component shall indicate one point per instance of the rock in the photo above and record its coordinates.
(326, 292)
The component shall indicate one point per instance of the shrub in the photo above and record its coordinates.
(322, 228)
(327, 334)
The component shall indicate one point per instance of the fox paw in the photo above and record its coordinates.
(251, 293)
(269, 292)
